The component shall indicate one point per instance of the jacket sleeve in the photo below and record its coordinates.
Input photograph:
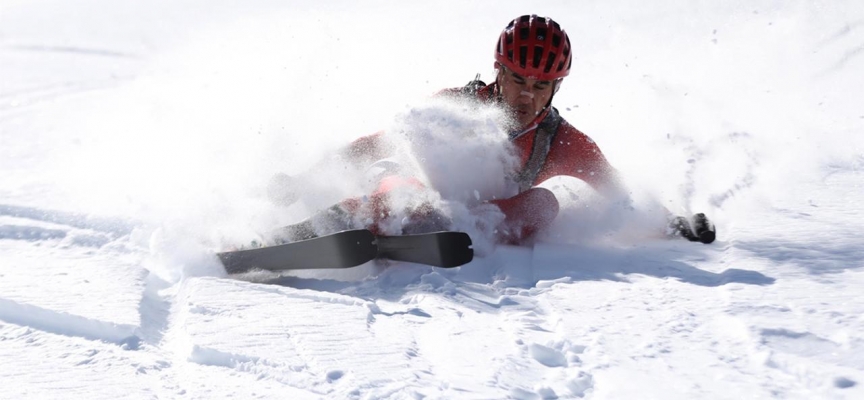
(367, 149)
(575, 154)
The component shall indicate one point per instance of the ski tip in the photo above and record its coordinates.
(463, 254)
(443, 249)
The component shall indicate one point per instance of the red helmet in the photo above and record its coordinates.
(535, 47)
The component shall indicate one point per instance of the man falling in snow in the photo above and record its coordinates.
(532, 57)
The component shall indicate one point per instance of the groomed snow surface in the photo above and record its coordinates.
(137, 137)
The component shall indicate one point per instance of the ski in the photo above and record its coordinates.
(340, 250)
(351, 248)
(439, 249)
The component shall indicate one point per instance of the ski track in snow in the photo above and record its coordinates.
(771, 310)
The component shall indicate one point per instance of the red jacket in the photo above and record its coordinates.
(570, 153)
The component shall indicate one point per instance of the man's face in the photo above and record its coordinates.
(525, 97)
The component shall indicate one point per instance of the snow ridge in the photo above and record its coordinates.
(67, 324)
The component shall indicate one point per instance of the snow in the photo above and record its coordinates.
(136, 139)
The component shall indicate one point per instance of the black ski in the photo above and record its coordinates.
(439, 249)
(351, 248)
(340, 250)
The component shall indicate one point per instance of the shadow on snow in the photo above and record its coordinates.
(486, 278)
(816, 257)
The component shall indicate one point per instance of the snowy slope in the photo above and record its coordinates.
(136, 139)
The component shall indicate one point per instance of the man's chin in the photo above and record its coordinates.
(520, 120)
(524, 122)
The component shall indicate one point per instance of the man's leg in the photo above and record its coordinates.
(375, 209)
(421, 219)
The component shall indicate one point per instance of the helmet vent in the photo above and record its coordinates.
(550, 63)
(523, 55)
(538, 55)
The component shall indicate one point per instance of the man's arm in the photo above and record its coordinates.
(575, 154)
(366, 150)
(285, 189)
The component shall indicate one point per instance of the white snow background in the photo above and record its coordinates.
(137, 138)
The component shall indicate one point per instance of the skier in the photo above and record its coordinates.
(532, 57)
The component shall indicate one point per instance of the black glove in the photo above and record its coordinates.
(702, 229)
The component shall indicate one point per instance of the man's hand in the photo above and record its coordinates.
(702, 229)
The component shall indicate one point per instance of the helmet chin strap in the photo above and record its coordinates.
(556, 84)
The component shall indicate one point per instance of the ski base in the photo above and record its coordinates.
(352, 248)
(439, 249)
(340, 250)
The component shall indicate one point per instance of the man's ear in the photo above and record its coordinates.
(557, 85)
